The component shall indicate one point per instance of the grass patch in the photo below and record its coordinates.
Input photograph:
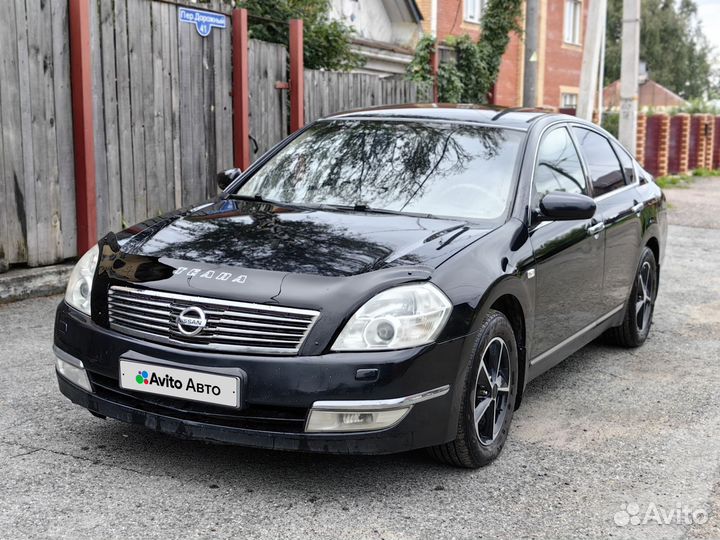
(684, 180)
(674, 181)
(706, 172)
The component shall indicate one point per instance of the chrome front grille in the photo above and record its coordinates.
(230, 326)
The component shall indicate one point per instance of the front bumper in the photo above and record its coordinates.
(279, 391)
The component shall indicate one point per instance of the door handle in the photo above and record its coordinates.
(594, 229)
(637, 207)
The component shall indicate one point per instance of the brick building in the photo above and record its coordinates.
(561, 32)
(651, 96)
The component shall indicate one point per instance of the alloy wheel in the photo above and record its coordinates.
(492, 391)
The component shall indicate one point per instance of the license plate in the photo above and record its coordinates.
(180, 383)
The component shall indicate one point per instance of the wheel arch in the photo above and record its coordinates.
(654, 244)
(510, 306)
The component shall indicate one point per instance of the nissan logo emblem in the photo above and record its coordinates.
(191, 321)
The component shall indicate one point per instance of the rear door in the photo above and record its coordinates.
(612, 174)
(569, 254)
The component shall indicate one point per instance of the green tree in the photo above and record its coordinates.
(326, 42)
(472, 75)
(672, 43)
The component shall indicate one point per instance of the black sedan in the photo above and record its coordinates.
(382, 280)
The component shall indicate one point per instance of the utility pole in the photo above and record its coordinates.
(591, 58)
(532, 14)
(601, 80)
(629, 72)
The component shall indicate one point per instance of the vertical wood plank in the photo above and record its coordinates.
(10, 111)
(197, 76)
(63, 126)
(175, 99)
(207, 99)
(185, 104)
(158, 198)
(48, 187)
(124, 118)
(224, 106)
(167, 134)
(145, 22)
(37, 113)
(25, 186)
(137, 119)
(101, 166)
(107, 57)
(4, 237)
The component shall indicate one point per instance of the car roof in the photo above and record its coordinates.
(517, 118)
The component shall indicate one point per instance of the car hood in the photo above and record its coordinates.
(262, 236)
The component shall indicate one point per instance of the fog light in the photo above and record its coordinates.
(322, 421)
(73, 373)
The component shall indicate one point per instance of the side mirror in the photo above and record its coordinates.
(560, 206)
(225, 178)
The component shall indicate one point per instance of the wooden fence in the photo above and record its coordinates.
(162, 115)
(37, 186)
(162, 110)
(269, 107)
(328, 92)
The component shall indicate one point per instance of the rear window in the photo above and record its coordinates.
(407, 167)
(603, 164)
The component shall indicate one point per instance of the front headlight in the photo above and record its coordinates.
(79, 287)
(401, 317)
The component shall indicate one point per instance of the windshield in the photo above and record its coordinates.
(408, 167)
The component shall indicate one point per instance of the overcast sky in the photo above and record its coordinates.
(709, 13)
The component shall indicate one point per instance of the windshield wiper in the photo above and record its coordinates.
(257, 197)
(372, 210)
(341, 207)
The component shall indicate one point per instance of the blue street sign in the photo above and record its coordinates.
(204, 21)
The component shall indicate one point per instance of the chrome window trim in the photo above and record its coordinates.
(615, 192)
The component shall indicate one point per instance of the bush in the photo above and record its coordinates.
(326, 42)
(697, 106)
(470, 78)
(611, 123)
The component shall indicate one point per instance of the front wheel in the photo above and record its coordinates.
(488, 399)
(635, 327)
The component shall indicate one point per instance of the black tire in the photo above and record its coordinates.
(473, 446)
(636, 325)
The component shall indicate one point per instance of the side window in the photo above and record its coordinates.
(603, 164)
(626, 162)
(558, 166)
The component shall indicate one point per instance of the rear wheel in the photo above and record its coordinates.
(640, 305)
(488, 399)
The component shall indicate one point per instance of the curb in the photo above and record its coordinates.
(31, 282)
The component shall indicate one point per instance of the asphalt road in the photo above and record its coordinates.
(608, 427)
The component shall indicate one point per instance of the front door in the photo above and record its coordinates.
(569, 255)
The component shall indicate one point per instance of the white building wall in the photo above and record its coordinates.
(370, 20)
